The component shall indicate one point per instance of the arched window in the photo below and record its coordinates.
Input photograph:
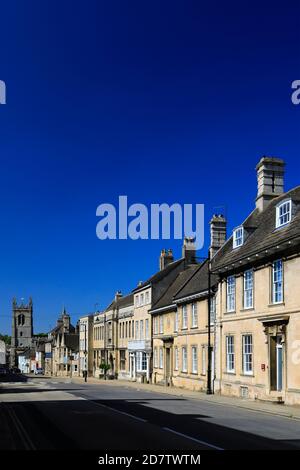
(21, 319)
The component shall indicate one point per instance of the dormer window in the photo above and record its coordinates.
(238, 237)
(283, 213)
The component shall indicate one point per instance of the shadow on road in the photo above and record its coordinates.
(124, 424)
(13, 378)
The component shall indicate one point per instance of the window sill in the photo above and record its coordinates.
(194, 327)
(229, 312)
(279, 227)
(184, 329)
(250, 309)
(278, 304)
(229, 373)
(246, 375)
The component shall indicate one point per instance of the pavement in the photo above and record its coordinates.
(42, 413)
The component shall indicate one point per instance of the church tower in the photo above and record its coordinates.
(22, 328)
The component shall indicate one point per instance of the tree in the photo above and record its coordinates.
(6, 339)
(105, 367)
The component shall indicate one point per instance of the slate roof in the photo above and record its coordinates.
(60, 329)
(167, 298)
(160, 274)
(122, 302)
(197, 283)
(72, 341)
(261, 232)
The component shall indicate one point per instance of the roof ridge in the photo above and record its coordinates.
(171, 286)
(264, 234)
(145, 283)
(172, 283)
(190, 278)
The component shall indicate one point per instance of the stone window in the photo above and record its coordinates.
(230, 353)
(283, 213)
(184, 359)
(184, 317)
(194, 315)
(248, 289)
(21, 319)
(194, 360)
(230, 294)
(277, 282)
(238, 237)
(247, 355)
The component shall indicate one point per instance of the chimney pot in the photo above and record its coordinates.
(189, 250)
(166, 257)
(118, 295)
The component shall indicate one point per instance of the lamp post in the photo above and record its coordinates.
(85, 354)
(209, 390)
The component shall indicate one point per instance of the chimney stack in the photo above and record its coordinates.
(218, 226)
(189, 250)
(118, 295)
(270, 180)
(166, 257)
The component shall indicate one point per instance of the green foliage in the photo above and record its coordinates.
(6, 339)
(104, 366)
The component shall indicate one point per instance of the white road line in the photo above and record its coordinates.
(24, 436)
(117, 411)
(193, 439)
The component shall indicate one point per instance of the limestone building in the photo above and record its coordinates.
(259, 309)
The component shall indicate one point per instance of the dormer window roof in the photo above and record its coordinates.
(283, 213)
(238, 237)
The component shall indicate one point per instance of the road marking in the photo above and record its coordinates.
(193, 439)
(117, 411)
(23, 435)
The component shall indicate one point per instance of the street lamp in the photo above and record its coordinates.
(209, 390)
(85, 354)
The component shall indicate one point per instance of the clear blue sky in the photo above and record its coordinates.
(161, 101)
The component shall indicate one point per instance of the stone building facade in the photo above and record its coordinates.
(64, 340)
(244, 297)
(86, 331)
(259, 309)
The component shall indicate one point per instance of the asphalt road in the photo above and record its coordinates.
(47, 414)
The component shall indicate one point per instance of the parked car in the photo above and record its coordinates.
(15, 370)
(3, 371)
(39, 371)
